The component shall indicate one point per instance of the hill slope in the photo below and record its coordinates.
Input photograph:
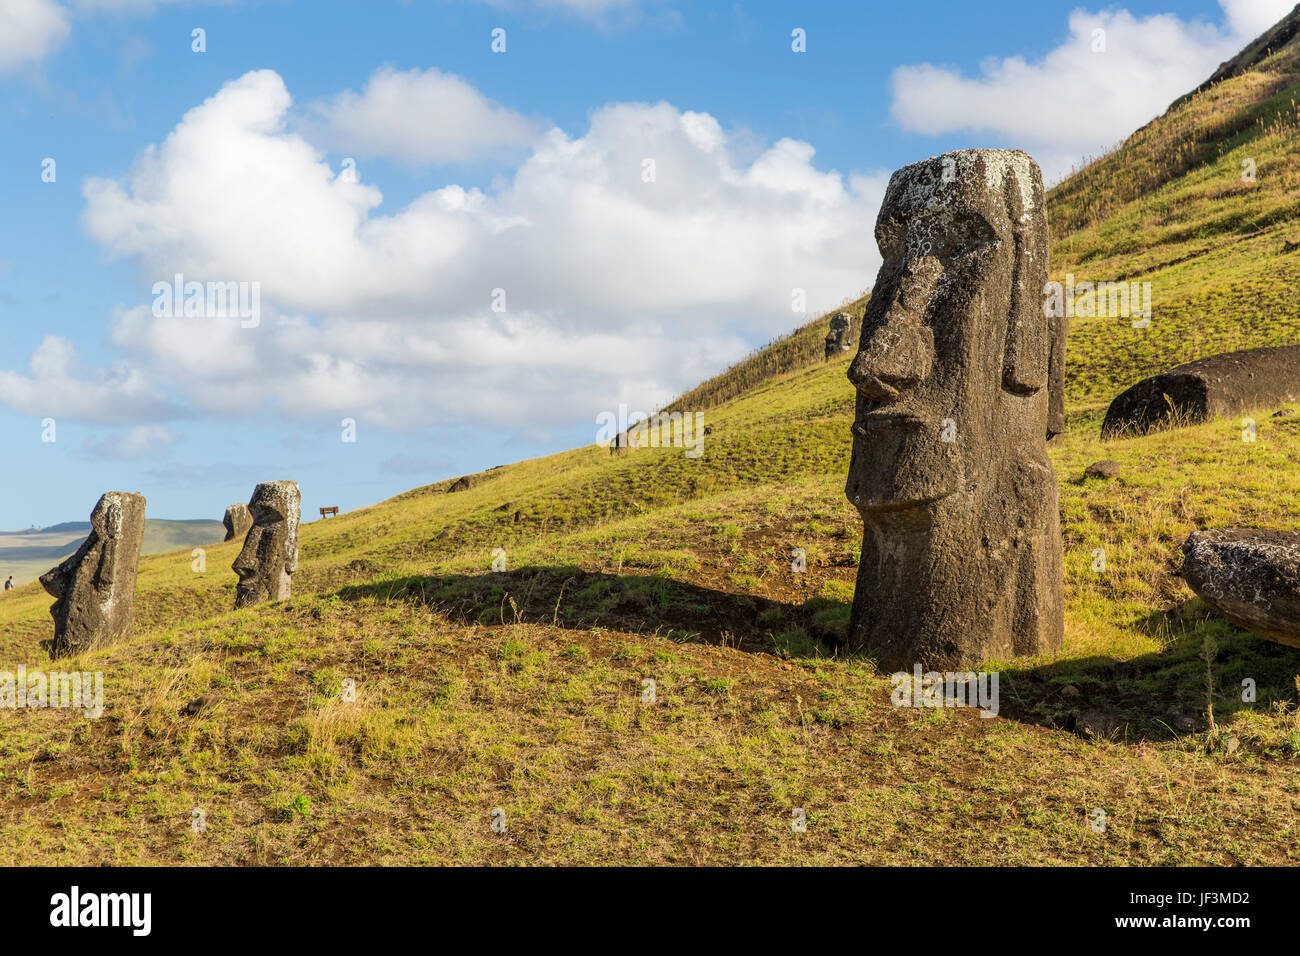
(524, 691)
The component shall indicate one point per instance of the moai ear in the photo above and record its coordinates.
(1058, 329)
(1025, 364)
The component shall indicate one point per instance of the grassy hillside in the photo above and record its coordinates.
(1176, 205)
(523, 690)
(28, 554)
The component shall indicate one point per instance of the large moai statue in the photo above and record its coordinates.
(270, 553)
(237, 519)
(959, 378)
(94, 590)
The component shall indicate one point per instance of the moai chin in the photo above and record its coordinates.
(237, 520)
(960, 382)
(270, 553)
(94, 589)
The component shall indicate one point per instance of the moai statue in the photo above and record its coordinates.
(838, 339)
(94, 590)
(959, 378)
(237, 520)
(270, 552)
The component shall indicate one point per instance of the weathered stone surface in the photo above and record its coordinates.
(1249, 575)
(270, 553)
(237, 520)
(958, 377)
(839, 338)
(95, 588)
(1102, 469)
(1208, 388)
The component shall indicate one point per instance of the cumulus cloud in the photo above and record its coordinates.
(29, 31)
(1113, 74)
(621, 265)
(57, 386)
(420, 117)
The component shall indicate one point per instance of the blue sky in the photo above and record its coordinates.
(522, 171)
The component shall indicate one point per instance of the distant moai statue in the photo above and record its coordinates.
(623, 443)
(839, 339)
(94, 589)
(961, 552)
(238, 519)
(270, 553)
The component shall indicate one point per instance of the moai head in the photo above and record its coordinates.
(838, 337)
(954, 338)
(270, 551)
(959, 379)
(237, 520)
(94, 590)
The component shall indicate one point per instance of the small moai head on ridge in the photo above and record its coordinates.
(270, 553)
(957, 360)
(237, 521)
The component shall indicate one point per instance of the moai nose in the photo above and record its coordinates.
(895, 358)
(900, 352)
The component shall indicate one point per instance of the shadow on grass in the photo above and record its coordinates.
(1158, 696)
(643, 604)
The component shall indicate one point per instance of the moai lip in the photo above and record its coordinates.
(94, 589)
(960, 383)
(270, 553)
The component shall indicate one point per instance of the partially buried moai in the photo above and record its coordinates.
(959, 377)
(94, 589)
(270, 553)
(237, 521)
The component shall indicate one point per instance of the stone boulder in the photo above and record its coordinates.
(1249, 575)
(839, 338)
(94, 589)
(959, 385)
(1220, 385)
(270, 553)
(237, 521)
(1102, 469)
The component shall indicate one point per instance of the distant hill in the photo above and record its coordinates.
(29, 554)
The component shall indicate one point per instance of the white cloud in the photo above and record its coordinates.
(616, 288)
(1247, 19)
(585, 8)
(29, 31)
(58, 387)
(420, 117)
(1076, 101)
(137, 442)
